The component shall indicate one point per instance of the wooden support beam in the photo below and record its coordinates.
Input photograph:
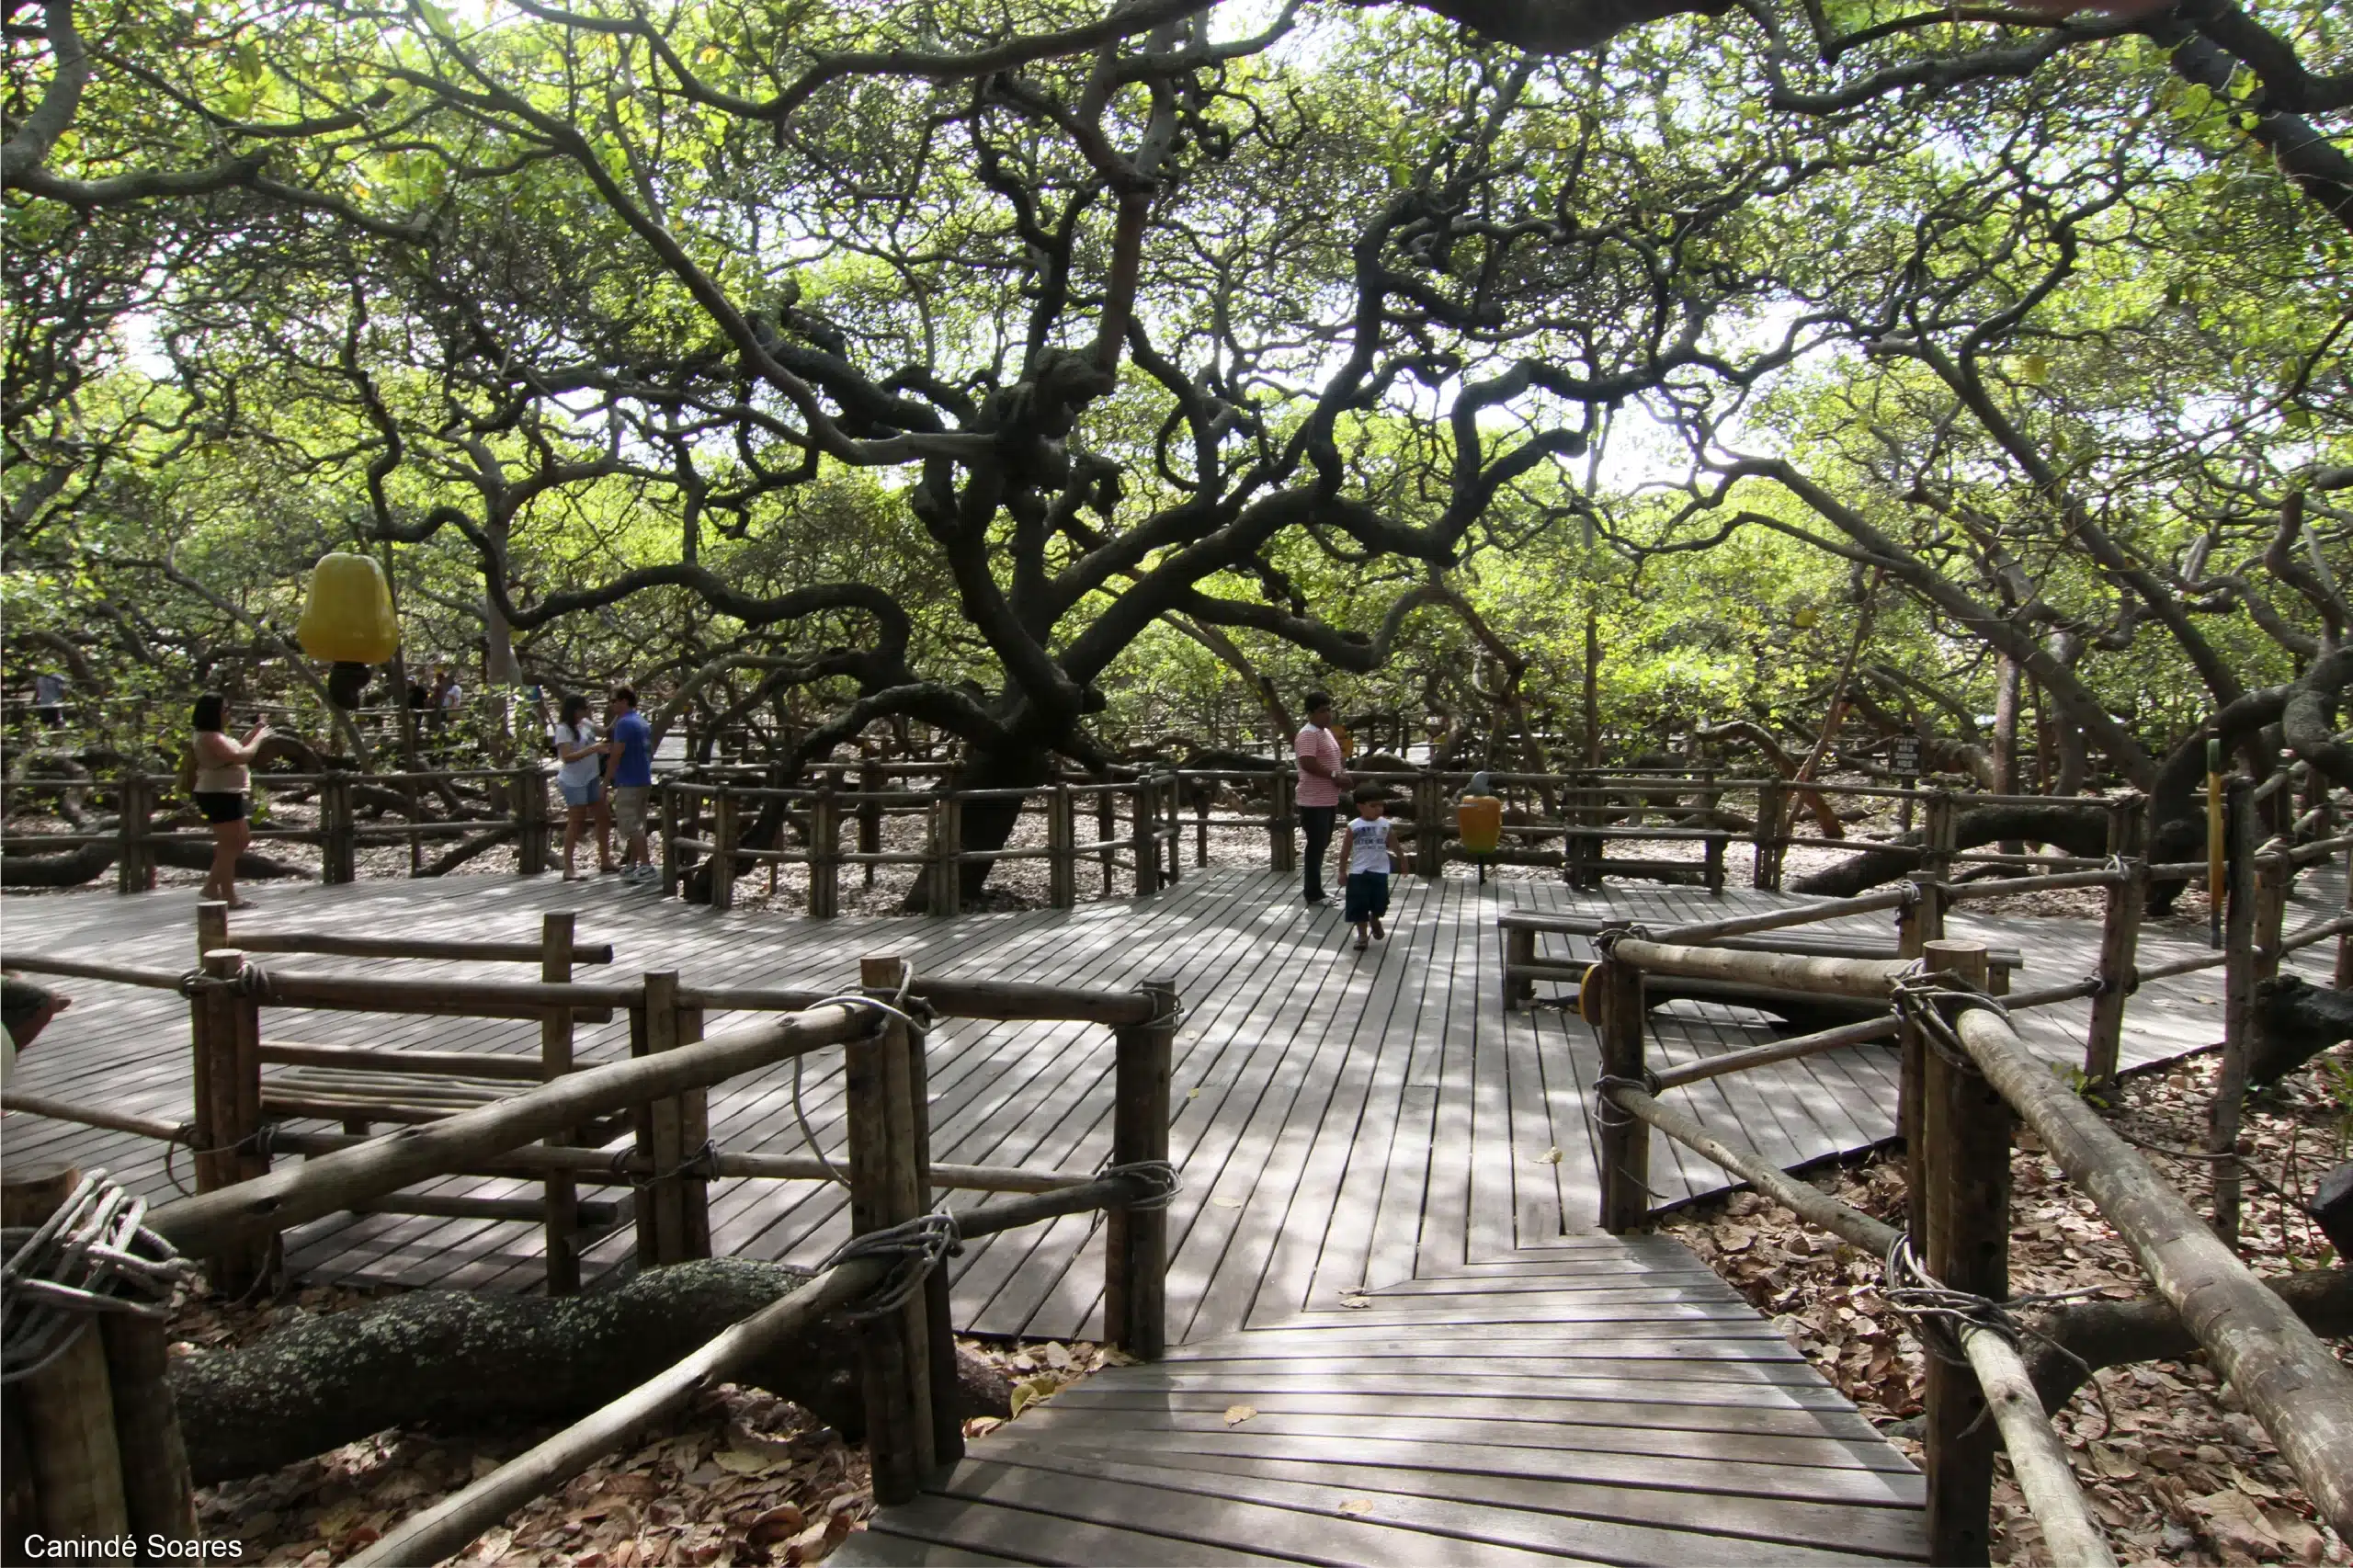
(2291, 1383)
(560, 1195)
(886, 1189)
(1965, 1141)
(1135, 1292)
(1061, 848)
(1625, 1142)
(1872, 979)
(2223, 1114)
(825, 853)
(67, 1407)
(2126, 904)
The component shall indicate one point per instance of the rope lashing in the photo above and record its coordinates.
(915, 1247)
(93, 1255)
(702, 1163)
(251, 980)
(896, 1008)
(1922, 1000)
(1607, 1112)
(1938, 1313)
(1158, 1176)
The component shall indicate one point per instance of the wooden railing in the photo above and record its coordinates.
(1966, 1079)
(704, 820)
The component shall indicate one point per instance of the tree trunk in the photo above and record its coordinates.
(2077, 832)
(2113, 1334)
(988, 824)
(447, 1359)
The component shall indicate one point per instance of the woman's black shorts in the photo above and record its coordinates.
(222, 805)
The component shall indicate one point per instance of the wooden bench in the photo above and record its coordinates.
(1585, 864)
(1523, 968)
(359, 1086)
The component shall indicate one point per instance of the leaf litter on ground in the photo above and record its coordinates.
(2169, 1461)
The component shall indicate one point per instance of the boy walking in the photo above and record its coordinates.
(1364, 862)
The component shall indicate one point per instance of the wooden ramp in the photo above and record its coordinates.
(1612, 1402)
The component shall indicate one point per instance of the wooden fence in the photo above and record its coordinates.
(468, 1113)
(1581, 823)
(1966, 1081)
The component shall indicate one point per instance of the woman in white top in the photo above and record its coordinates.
(579, 775)
(222, 781)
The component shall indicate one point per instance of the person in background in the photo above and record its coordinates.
(1321, 776)
(580, 777)
(1364, 863)
(631, 771)
(223, 779)
(49, 699)
(25, 1010)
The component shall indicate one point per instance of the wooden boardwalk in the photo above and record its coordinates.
(1518, 1387)
(1343, 1122)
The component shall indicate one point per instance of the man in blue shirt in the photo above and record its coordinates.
(632, 781)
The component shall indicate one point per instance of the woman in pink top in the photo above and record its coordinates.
(1320, 781)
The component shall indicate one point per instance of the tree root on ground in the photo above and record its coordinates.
(444, 1358)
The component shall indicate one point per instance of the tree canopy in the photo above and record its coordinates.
(1050, 372)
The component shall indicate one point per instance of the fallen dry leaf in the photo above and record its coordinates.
(1236, 1415)
(1355, 1298)
(1358, 1505)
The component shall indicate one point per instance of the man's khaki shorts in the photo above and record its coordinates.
(628, 806)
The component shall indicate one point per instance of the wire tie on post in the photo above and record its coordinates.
(915, 1247)
(1158, 1176)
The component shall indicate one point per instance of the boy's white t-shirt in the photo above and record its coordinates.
(1367, 845)
(580, 770)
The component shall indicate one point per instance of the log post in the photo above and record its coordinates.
(1625, 1142)
(939, 1314)
(1429, 807)
(825, 853)
(66, 1409)
(723, 849)
(666, 804)
(694, 1131)
(1282, 824)
(2274, 875)
(530, 797)
(1172, 828)
(338, 845)
(1767, 837)
(1965, 1135)
(1201, 802)
(661, 1210)
(1147, 839)
(871, 781)
(1918, 922)
(1715, 868)
(2342, 978)
(1107, 828)
(1135, 1253)
(887, 1185)
(225, 1034)
(557, 932)
(1061, 848)
(133, 796)
(1519, 950)
(947, 847)
(2120, 935)
(158, 1494)
(1936, 834)
(2239, 1000)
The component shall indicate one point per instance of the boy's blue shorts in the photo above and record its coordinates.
(1368, 896)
